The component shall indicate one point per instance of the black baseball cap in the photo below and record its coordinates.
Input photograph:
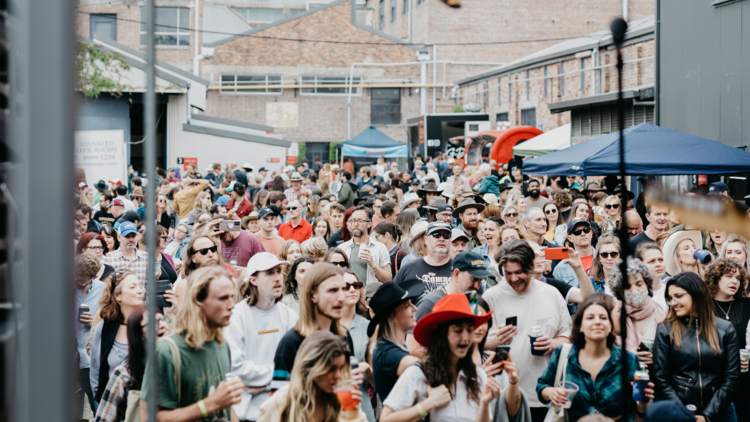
(576, 222)
(471, 262)
(445, 208)
(437, 226)
(265, 212)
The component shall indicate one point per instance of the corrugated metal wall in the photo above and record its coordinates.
(211, 149)
(705, 69)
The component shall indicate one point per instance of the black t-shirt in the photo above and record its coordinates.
(560, 285)
(638, 239)
(286, 352)
(428, 302)
(385, 363)
(335, 240)
(165, 220)
(105, 218)
(432, 277)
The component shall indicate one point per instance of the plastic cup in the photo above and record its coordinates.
(231, 377)
(571, 390)
(745, 354)
(649, 344)
(361, 249)
(344, 391)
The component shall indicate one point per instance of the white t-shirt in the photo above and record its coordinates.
(660, 296)
(411, 388)
(253, 336)
(542, 306)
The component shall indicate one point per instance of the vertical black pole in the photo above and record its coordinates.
(619, 27)
(150, 163)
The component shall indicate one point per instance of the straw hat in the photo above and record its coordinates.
(409, 198)
(670, 245)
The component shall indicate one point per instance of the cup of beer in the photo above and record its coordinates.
(344, 390)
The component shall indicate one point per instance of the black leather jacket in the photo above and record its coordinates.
(693, 374)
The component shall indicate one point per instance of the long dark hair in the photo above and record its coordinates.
(437, 367)
(136, 347)
(290, 284)
(111, 232)
(483, 303)
(576, 336)
(702, 306)
(278, 184)
(345, 234)
(388, 227)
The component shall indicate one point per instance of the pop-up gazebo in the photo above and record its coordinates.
(649, 150)
(374, 143)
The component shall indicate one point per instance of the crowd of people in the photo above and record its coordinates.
(442, 293)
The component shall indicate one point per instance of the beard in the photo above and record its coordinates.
(534, 193)
(358, 233)
(471, 224)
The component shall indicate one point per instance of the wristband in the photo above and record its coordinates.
(374, 267)
(202, 407)
(421, 411)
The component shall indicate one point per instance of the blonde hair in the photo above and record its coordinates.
(284, 248)
(315, 247)
(509, 207)
(190, 318)
(611, 199)
(314, 277)
(521, 233)
(484, 170)
(677, 267)
(197, 202)
(314, 358)
(735, 238)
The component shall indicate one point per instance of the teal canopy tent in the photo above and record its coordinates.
(374, 143)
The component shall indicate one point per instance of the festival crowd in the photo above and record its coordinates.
(321, 293)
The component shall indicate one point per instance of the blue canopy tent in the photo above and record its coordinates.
(374, 143)
(649, 150)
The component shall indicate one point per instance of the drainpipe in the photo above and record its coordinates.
(434, 76)
(625, 10)
(206, 53)
(196, 60)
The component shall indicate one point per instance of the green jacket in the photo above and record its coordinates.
(348, 194)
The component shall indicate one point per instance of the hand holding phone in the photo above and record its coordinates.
(230, 226)
(512, 321)
(556, 254)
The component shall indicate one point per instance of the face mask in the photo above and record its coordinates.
(534, 193)
(636, 299)
(130, 171)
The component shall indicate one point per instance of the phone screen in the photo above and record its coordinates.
(512, 321)
(501, 353)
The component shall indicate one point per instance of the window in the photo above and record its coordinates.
(172, 26)
(382, 14)
(420, 2)
(545, 82)
(583, 75)
(385, 106)
(407, 4)
(341, 83)
(319, 149)
(562, 78)
(393, 10)
(502, 117)
(103, 27)
(230, 83)
(260, 14)
(528, 86)
(600, 120)
(528, 117)
(296, 12)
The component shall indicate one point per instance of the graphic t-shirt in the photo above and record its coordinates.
(105, 218)
(202, 371)
(432, 277)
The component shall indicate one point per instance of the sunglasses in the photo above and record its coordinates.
(612, 206)
(357, 285)
(606, 255)
(438, 235)
(342, 264)
(550, 211)
(114, 278)
(579, 231)
(292, 208)
(204, 251)
(511, 214)
(163, 237)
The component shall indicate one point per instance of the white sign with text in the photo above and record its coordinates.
(101, 153)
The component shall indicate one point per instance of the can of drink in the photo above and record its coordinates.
(81, 309)
(703, 256)
(354, 362)
(692, 408)
(535, 333)
(640, 384)
(745, 354)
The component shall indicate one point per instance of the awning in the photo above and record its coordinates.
(551, 141)
(649, 150)
(374, 143)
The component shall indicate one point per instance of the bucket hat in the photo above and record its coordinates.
(466, 204)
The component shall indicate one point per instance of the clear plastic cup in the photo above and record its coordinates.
(745, 355)
(571, 390)
(231, 377)
(344, 390)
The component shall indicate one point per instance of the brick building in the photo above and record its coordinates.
(495, 26)
(574, 81)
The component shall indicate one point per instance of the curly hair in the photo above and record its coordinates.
(635, 267)
(437, 364)
(718, 269)
(87, 266)
(576, 336)
(562, 198)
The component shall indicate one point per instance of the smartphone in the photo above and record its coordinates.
(643, 348)
(230, 226)
(512, 321)
(556, 254)
(501, 353)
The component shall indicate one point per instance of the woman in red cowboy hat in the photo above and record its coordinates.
(446, 384)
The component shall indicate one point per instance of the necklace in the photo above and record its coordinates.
(722, 309)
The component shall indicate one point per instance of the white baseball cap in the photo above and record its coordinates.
(288, 169)
(263, 261)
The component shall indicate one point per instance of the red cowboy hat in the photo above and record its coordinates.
(452, 307)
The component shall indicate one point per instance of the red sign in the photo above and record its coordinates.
(273, 160)
(189, 160)
(702, 179)
(291, 159)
